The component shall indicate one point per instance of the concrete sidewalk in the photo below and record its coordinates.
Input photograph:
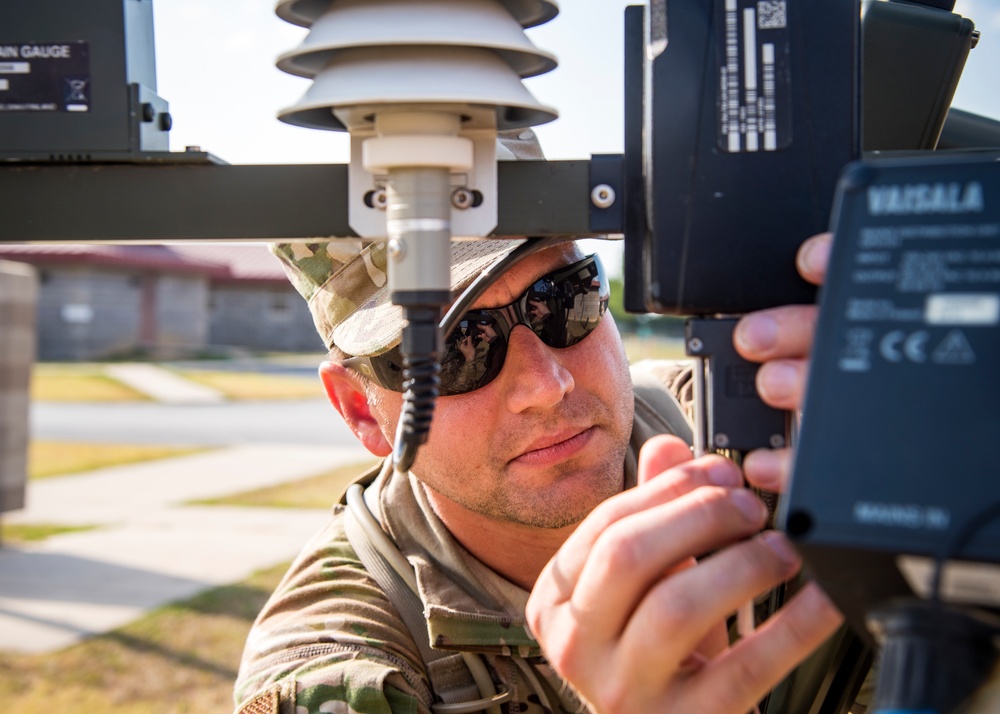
(162, 384)
(152, 548)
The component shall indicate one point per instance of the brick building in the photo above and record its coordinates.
(167, 301)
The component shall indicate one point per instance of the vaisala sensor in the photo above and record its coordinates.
(894, 478)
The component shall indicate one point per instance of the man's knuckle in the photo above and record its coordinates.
(676, 611)
(746, 679)
(715, 510)
(569, 657)
(615, 695)
(801, 633)
(617, 551)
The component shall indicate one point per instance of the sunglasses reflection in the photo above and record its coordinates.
(475, 358)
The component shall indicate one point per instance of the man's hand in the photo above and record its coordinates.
(626, 614)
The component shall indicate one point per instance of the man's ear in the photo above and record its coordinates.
(345, 392)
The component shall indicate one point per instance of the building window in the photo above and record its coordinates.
(279, 306)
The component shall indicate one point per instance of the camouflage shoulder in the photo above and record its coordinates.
(329, 636)
(676, 375)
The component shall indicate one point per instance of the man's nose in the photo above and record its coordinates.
(533, 375)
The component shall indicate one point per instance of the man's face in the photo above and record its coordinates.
(543, 443)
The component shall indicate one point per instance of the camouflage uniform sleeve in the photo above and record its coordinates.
(328, 640)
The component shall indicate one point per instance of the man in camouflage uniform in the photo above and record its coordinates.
(510, 472)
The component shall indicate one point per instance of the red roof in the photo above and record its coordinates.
(245, 261)
(219, 261)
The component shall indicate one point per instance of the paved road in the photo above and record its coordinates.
(306, 421)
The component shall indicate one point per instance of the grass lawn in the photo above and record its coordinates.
(87, 382)
(180, 659)
(252, 385)
(56, 458)
(79, 383)
(27, 532)
(640, 348)
(318, 491)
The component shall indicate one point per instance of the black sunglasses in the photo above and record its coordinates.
(561, 308)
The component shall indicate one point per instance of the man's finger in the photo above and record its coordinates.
(660, 454)
(813, 257)
(768, 469)
(745, 673)
(678, 612)
(633, 554)
(782, 383)
(564, 569)
(778, 333)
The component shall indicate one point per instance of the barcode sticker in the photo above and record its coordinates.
(754, 112)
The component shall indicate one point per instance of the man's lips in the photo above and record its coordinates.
(553, 448)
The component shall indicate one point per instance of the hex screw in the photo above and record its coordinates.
(695, 345)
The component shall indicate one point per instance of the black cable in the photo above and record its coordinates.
(421, 366)
(958, 544)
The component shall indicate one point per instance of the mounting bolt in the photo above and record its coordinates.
(602, 196)
(777, 441)
(695, 345)
(462, 198)
(721, 440)
(377, 198)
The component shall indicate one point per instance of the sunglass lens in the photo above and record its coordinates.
(473, 354)
(564, 311)
(561, 308)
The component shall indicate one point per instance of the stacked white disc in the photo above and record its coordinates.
(458, 56)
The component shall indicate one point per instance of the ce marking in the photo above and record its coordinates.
(897, 345)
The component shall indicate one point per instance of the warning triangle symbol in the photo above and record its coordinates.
(954, 349)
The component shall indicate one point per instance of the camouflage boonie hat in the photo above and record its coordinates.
(345, 284)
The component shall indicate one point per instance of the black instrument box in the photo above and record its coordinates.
(747, 114)
(894, 466)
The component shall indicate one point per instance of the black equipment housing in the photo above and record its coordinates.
(81, 82)
(893, 461)
(750, 112)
